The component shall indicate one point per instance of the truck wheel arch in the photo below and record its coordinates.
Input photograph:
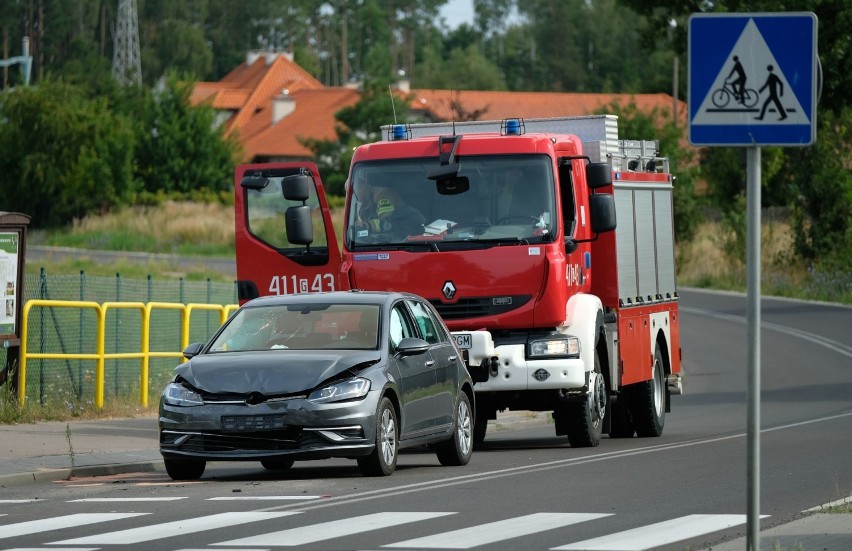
(667, 365)
(584, 319)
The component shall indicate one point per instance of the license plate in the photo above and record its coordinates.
(247, 423)
(463, 341)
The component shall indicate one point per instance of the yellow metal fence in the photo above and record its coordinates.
(99, 355)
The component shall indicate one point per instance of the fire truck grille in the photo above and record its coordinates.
(478, 307)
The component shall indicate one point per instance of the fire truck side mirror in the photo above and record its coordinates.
(602, 210)
(296, 187)
(598, 175)
(297, 221)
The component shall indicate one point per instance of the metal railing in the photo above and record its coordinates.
(99, 355)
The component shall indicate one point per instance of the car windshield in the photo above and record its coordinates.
(300, 327)
(494, 200)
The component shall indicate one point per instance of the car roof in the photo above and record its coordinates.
(338, 297)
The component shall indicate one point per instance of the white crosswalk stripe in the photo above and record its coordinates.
(655, 535)
(492, 532)
(59, 549)
(264, 498)
(637, 539)
(123, 499)
(171, 529)
(58, 523)
(329, 530)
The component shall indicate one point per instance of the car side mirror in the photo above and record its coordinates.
(411, 346)
(192, 350)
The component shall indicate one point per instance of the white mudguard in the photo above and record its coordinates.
(582, 315)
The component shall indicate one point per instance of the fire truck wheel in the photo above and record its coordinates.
(621, 426)
(456, 451)
(648, 401)
(585, 419)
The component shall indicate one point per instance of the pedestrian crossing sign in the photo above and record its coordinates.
(752, 79)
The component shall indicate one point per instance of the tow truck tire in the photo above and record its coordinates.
(585, 422)
(456, 451)
(648, 401)
(185, 469)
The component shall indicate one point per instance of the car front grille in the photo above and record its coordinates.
(262, 441)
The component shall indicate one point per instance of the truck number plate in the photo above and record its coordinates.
(463, 341)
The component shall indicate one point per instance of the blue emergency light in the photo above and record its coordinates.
(512, 127)
(399, 132)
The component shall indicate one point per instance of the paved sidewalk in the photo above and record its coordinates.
(44, 452)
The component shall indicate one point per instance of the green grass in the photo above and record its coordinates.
(59, 406)
(704, 263)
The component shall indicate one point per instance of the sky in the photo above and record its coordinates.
(456, 12)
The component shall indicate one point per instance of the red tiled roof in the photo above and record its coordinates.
(250, 90)
(313, 117)
(445, 104)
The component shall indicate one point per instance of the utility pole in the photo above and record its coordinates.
(126, 62)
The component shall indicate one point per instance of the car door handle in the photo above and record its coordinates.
(452, 358)
(430, 363)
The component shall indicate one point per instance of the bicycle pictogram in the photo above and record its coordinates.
(722, 96)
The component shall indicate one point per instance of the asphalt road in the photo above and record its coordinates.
(525, 489)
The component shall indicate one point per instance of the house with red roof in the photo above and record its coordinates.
(271, 103)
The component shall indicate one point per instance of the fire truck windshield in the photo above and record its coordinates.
(493, 200)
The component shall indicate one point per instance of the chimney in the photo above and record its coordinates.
(268, 56)
(282, 105)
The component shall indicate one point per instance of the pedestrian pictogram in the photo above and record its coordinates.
(756, 84)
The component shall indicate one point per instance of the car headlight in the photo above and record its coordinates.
(556, 346)
(350, 389)
(178, 395)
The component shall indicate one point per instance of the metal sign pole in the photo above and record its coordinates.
(753, 291)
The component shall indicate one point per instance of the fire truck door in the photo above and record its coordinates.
(270, 260)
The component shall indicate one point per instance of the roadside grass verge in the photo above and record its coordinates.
(712, 260)
(66, 408)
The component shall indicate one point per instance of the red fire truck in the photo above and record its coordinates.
(509, 229)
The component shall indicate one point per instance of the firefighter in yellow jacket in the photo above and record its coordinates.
(383, 211)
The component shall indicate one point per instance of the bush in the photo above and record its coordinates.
(62, 153)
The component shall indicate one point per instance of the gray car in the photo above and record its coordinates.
(345, 374)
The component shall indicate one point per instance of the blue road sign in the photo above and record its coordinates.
(752, 79)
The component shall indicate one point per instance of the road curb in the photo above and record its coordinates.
(55, 475)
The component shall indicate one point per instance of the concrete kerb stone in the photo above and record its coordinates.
(55, 475)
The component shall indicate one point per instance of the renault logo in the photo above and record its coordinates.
(449, 290)
(541, 374)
